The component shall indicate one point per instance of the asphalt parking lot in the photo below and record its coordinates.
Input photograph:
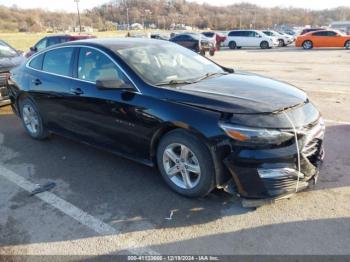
(104, 204)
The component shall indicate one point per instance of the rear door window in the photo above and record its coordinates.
(331, 33)
(58, 61)
(234, 33)
(322, 33)
(245, 33)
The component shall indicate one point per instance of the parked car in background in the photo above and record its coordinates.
(160, 36)
(219, 38)
(308, 30)
(203, 125)
(250, 38)
(324, 38)
(283, 40)
(54, 40)
(289, 32)
(292, 37)
(196, 42)
(9, 59)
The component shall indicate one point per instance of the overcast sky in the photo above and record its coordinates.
(69, 5)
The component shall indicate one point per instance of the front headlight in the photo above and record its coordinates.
(255, 135)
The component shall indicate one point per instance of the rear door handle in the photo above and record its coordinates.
(76, 91)
(36, 82)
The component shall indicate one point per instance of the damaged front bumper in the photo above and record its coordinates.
(272, 173)
(4, 97)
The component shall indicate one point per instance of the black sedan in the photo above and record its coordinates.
(9, 58)
(203, 125)
(195, 42)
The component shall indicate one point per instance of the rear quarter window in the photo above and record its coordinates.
(37, 62)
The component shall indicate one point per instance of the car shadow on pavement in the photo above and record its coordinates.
(127, 195)
(311, 237)
(336, 165)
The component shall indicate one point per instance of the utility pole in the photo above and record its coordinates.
(240, 19)
(77, 1)
(127, 18)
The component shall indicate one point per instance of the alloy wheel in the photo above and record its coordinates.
(31, 119)
(181, 166)
(307, 45)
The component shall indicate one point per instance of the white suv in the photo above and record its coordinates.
(249, 38)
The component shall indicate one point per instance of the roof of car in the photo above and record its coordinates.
(234, 30)
(68, 35)
(118, 43)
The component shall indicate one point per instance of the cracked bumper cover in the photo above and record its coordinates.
(273, 173)
(4, 98)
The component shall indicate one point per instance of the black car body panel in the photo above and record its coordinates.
(246, 94)
(131, 121)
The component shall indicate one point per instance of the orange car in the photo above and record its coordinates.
(323, 38)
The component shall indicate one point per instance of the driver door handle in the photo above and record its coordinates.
(76, 91)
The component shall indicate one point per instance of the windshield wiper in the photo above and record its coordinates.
(181, 82)
(174, 82)
(210, 74)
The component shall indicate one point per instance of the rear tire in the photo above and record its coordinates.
(307, 45)
(186, 164)
(202, 52)
(212, 52)
(232, 45)
(32, 120)
(264, 45)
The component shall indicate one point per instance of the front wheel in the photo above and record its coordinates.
(32, 120)
(186, 164)
(307, 44)
(347, 44)
(264, 45)
(281, 43)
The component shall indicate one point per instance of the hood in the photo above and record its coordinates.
(7, 63)
(243, 93)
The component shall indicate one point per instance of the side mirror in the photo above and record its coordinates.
(33, 49)
(259, 36)
(103, 84)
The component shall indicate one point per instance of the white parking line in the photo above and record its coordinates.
(336, 122)
(72, 211)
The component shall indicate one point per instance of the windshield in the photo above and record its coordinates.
(168, 63)
(6, 50)
(276, 33)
